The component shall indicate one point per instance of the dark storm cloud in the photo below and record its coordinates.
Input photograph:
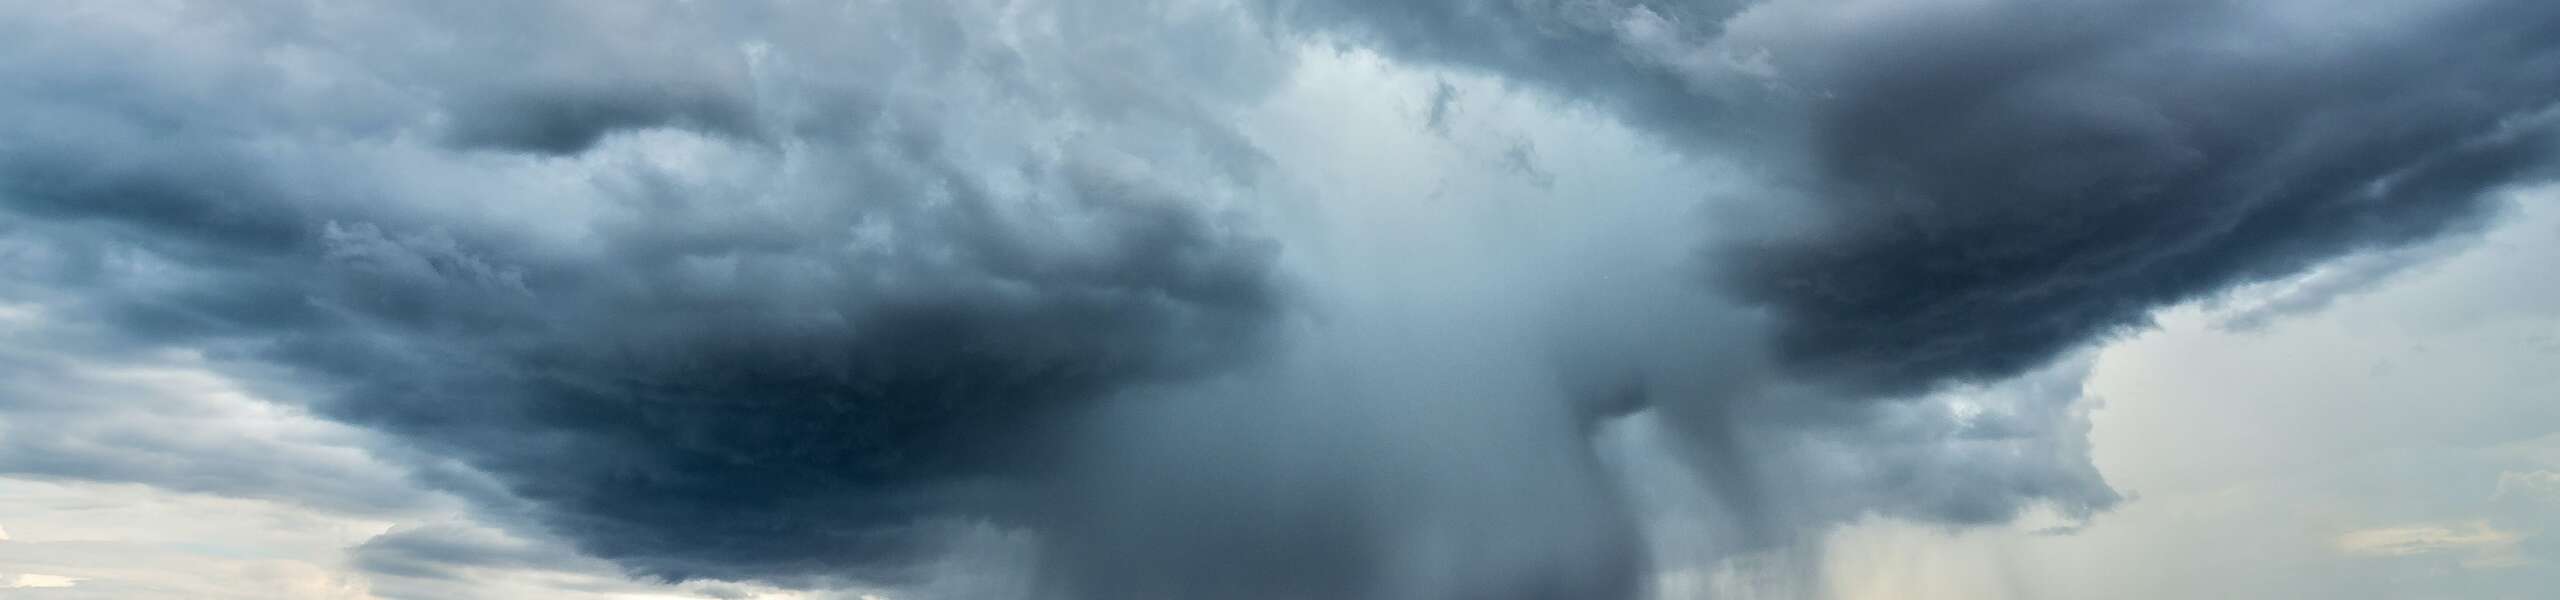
(1279, 485)
(2011, 203)
(752, 292)
(1998, 182)
(1566, 45)
(796, 292)
(1953, 194)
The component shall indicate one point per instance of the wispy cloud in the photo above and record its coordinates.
(2480, 545)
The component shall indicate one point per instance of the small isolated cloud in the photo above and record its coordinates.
(36, 580)
(1444, 103)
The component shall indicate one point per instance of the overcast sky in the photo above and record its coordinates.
(1279, 299)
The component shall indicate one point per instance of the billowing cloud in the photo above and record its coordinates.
(1179, 298)
(759, 294)
(1993, 183)
(1956, 193)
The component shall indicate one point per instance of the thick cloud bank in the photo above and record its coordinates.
(817, 293)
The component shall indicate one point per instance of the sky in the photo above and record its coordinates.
(1279, 299)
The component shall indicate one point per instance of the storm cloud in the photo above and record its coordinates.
(1991, 184)
(1137, 298)
(712, 304)
(1952, 195)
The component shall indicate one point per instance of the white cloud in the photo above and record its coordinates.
(36, 580)
(2350, 451)
(2536, 485)
(2484, 546)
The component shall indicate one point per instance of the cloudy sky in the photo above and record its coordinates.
(1280, 299)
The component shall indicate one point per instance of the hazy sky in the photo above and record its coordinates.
(1277, 299)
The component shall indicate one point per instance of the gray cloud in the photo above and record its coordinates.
(446, 559)
(2253, 307)
(745, 305)
(1955, 194)
(79, 412)
(2011, 203)
(804, 294)
(1442, 103)
(1995, 183)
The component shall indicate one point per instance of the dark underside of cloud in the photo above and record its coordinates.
(788, 372)
(787, 296)
(2000, 182)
